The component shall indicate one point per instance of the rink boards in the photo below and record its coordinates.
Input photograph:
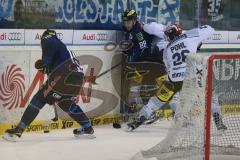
(20, 80)
(100, 99)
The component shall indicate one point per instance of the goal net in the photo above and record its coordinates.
(207, 120)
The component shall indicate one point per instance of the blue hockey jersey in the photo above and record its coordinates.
(55, 53)
(141, 43)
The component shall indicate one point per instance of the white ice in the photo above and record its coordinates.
(110, 144)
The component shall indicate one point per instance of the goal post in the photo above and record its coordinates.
(209, 92)
(209, 100)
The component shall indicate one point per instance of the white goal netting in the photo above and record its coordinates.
(207, 121)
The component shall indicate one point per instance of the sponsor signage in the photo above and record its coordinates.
(218, 37)
(20, 81)
(231, 110)
(33, 37)
(11, 36)
(234, 37)
(90, 14)
(93, 37)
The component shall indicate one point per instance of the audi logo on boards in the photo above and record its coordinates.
(14, 36)
(39, 36)
(97, 37)
(238, 37)
(216, 37)
(102, 37)
(60, 36)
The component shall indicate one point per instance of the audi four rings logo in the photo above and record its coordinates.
(97, 37)
(238, 36)
(11, 36)
(102, 36)
(60, 36)
(217, 37)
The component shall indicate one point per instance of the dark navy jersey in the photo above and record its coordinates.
(55, 53)
(141, 42)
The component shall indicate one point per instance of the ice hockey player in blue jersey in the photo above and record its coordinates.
(142, 50)
(65, 78)
(142, 41)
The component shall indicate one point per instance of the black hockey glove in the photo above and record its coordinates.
(40, 66)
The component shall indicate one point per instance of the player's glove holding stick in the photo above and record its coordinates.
(40, 66)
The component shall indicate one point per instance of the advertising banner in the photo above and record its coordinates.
(11, 36)
(88, 37)
(33, 36)
(218, 37)
(20, 81)
(83, 14)
(234, 37)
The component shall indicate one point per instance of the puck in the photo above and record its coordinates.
(116, 125)
(46, 131)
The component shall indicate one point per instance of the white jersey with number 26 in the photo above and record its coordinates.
(175, 53)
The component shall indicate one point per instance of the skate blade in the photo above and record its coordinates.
(85, 136)
(150, 122)
(129, 129)
(220, 132)
(9, 137)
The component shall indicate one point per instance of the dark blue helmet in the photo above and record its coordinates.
(48, 32)
(129, 14)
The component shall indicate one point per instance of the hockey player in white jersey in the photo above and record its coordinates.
(175, 54)
(157, 30)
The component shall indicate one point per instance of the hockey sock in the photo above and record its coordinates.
(174, 102)
(153, 104)
(217, 119)
(31, 112)
(79, 116)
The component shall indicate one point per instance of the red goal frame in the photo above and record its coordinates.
(207, 135)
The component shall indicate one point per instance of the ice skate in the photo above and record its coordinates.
(84, 132)
(13, 134)
(219, 122)
(135, 124)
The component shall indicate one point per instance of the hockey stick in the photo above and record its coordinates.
(55, 106)
(55, 118)
(108, 70)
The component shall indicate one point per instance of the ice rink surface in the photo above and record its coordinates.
(110, 144)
